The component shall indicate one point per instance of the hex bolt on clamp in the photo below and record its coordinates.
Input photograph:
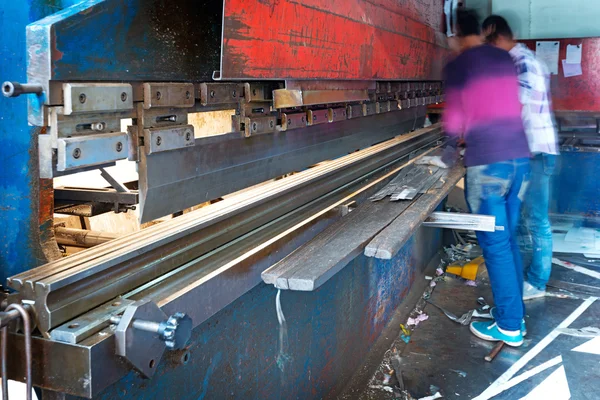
(15, 89)
(142, 340)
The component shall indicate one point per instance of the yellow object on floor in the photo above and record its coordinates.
(467, 271)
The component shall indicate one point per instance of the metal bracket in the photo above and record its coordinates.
(169, 95)
(97, 97)
(258, 125)
(292, 121)
(315, 117)
(82, 151)
(220, 93)
(168, 138)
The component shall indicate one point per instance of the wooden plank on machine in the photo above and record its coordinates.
(391, 239)
(313, 264)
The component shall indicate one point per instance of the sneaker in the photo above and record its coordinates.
(488, 330)
(523, 327)
(531, 292)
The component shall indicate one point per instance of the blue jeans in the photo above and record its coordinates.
(498, 189)
(535, 222)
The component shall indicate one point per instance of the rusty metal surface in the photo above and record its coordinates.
(578, 93)
(316, 39)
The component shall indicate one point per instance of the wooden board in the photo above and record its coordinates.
(387, 244)
(310, 266)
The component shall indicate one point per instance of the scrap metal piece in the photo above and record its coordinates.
(453, 220)
(97, 97)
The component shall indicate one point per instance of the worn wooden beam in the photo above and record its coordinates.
(391, 239)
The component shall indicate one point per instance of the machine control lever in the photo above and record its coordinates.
(15, 89)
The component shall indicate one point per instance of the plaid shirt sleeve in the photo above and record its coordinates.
(534, 82)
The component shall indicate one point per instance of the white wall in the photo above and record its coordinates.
(539, 19)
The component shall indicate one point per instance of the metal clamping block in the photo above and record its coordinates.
(144, 331)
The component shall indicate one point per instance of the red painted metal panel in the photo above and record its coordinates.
(324, 39)
(578, 93)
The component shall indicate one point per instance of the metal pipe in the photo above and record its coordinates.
(28, 358)
(15, 89)
(81, 237)
(4, 338)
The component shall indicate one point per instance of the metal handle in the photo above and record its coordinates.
(12, 312)
(15, 89)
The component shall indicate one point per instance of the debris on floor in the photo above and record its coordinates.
(417, 320)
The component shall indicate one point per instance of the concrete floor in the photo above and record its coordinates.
(555, 362)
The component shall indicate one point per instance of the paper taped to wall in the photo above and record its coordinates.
(574, 53)
(547, 52)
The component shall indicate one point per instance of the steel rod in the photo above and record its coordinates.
(28, 354)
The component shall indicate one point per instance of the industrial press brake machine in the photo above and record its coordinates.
(106, 80)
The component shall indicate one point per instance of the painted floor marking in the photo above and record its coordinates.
(576, 268)
(516, 367)
(526, 375)
(591, 347)
(555, 387)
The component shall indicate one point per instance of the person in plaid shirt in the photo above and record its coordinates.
(538, 121)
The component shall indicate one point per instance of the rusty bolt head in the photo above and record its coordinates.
(82, 98)
(158, 95)
(123, 97)
(77, 152)
(119, 147)
(188, 95)
(158, 140)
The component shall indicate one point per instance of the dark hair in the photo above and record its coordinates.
(467, 22)
(497, 26)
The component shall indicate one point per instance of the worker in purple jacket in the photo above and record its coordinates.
(483, 110)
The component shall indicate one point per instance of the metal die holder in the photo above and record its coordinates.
(291, 121)
(97, 97)
(356, 111)
(168, 138)
(169, 95)
(83, 151)
(371, 108)
(315, 117)
(337, 114)
(258, 125)
(220, 93)
(144, 331)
